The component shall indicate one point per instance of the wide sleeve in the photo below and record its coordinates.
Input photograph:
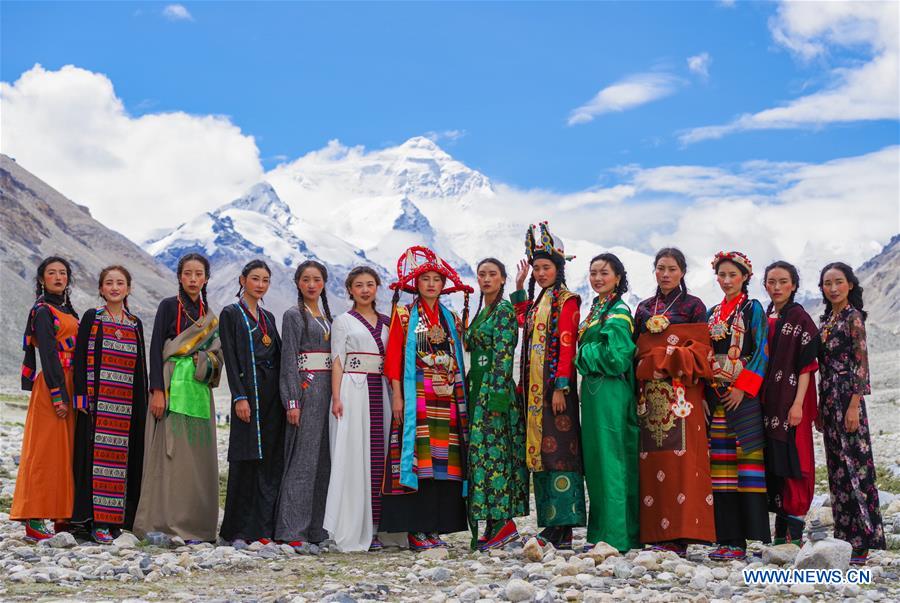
(499, 380)
(45, 335)
(751, 377)
(520, 302)
(393, 356)
(157, 341)
(568, 340)
(289, 380)
(340, 332)
(612, 353)
(80, 360)
(228, 326)
(860, 376)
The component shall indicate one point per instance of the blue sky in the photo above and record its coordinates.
(506, 76)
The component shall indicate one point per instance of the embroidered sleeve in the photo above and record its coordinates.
(228, 326)
(45, 336)
(568, 324)
(611, 353)
(860, 359)
(520, 302)
(289, 381)
(500, 382)
(751, 378)
(393, 356)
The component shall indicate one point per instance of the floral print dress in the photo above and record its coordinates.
(499, 480)
(844, 366)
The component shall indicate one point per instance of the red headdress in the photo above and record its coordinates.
(418, 260)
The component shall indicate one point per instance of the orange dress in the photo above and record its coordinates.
(45, 487)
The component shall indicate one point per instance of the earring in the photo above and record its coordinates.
(42, 290)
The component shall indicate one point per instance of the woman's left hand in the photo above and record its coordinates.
(734, 398)
(242, 410)
(559, 402)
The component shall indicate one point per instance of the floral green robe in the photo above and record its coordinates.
(609, 428)
(498, 487)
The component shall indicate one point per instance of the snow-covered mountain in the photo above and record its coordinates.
(259, 225)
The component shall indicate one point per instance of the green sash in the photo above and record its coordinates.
(187, 396)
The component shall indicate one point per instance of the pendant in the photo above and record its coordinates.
(327, 336)
(657, 323)
(718, 331)
(267, 341)
(436, 334)
(118, 334)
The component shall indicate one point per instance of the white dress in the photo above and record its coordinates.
(349, 509)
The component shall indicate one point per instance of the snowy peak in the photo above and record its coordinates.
(411, 219)
(262, 199)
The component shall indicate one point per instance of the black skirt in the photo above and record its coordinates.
(437, 507)
(252, 493)
(741, 517)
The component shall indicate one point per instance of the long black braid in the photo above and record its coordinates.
(502, 269)
(196, 257)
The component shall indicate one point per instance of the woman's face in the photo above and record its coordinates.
(56, 278)
(193, 277)
(490, 279)
(835, 286)
(730, 278)
(363, 289)
(668, 274)
(256, 283)
(544, 272)
(311, 284)
(603, 278)
(779, 286)
(114, 287)
(430, 285)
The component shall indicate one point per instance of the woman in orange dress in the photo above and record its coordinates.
(45, 487)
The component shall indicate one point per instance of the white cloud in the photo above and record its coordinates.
(856, 91)
(699, 64)
(445, 135)
(177, 12)
(630, 92)
(135, 174)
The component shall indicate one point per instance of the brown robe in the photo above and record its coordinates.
(676, 501)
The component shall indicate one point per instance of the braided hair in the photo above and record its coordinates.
(39, 280)
(795, 280)
(195, 257)
(116, 268)
(621, 288)
(855, 297)
(502, 268)
(298, 273)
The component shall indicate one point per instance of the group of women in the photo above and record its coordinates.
(689, 426)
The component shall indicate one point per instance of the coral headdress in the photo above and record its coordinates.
(733, 256)
(418, 260)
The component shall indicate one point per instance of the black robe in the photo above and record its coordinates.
(255, 448)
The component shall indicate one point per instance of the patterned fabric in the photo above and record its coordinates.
(559, 496)
(844, 366)
(376, 416)
(499, 480)
(110, 378)
(435, 423)
(740, 361)
(733, 469)
(679, 307)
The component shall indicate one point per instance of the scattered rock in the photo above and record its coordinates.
(601, 551)
(435, 554)
(62, 540)
(158, 539)
(518, 590)
(126, 540)
(802, 589)
(823, 514)
(781, 554)
(532, 550)
(829, 553)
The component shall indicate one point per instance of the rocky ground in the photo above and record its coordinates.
(166, 571)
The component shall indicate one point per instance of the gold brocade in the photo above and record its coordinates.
(656, 402)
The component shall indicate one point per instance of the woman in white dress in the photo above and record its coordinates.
(360, 420)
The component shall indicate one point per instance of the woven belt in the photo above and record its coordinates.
(369, 364)
(311, 362)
